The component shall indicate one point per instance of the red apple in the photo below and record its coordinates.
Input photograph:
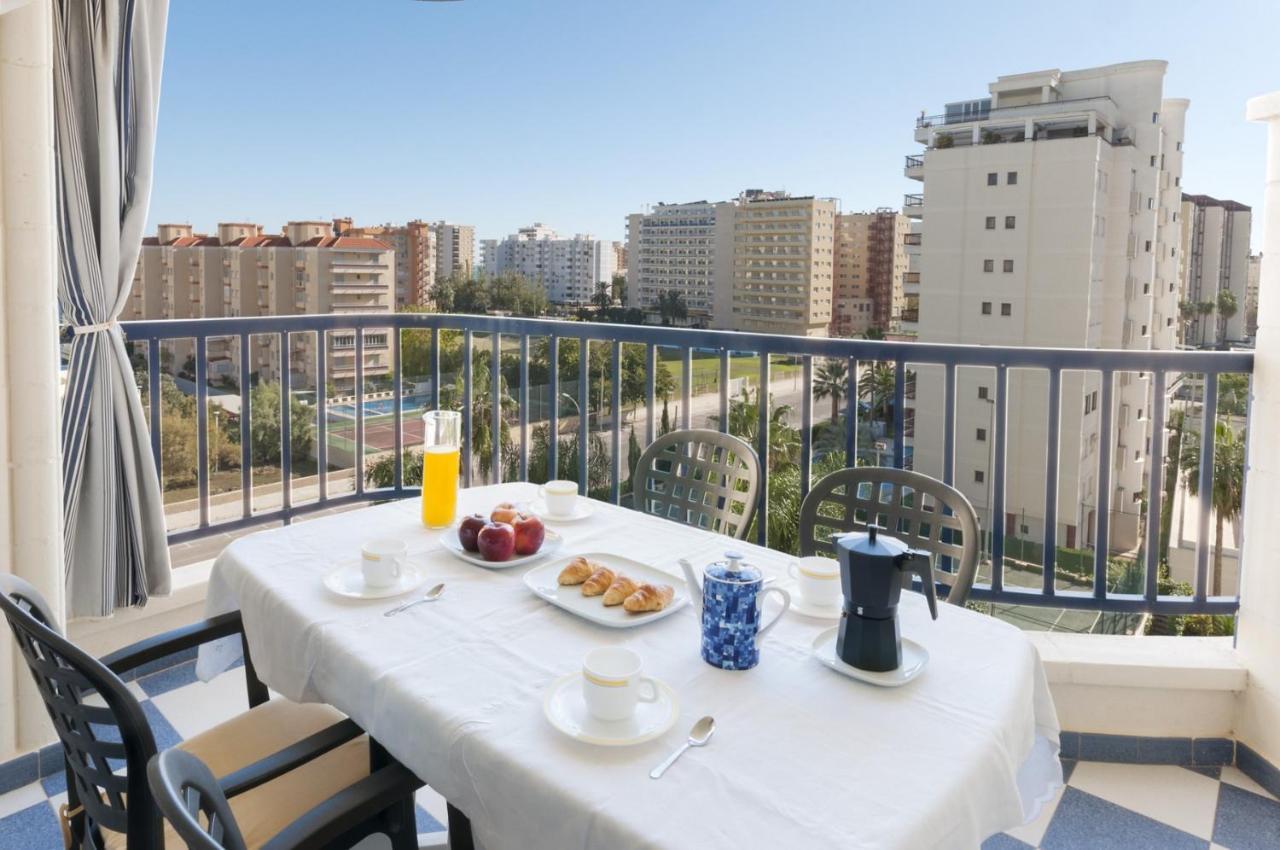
(529, 534)
(469, 529)
(504, 512)
(496, 541)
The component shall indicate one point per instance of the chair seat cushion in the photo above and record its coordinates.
(254, 735)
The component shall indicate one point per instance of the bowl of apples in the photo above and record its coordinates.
(507, 537)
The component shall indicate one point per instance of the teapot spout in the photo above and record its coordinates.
(691, 579)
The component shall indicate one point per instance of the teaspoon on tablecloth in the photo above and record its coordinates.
(699, 735)
(430, 596)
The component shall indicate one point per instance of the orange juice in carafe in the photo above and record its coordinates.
(441, 462)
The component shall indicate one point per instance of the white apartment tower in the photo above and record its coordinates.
(686, 249)
(567, 268)
(1215, 240)
(1048, 217)
(455, 247)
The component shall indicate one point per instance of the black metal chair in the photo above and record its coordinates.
(921, 511)
(193, 803)
(701, 478)
(276, 761)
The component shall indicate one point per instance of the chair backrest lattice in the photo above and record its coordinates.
(193, 802)
(98, 740)
(701, 478)
(922, 512)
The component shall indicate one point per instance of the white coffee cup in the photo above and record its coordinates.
(612, 684)
(818, 579)
(560, 497)
(382, 561)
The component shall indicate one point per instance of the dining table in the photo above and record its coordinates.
(801, 757)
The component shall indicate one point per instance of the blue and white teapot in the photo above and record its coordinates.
(731, 597)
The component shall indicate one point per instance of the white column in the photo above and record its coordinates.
(31, 478)
(1258, 643)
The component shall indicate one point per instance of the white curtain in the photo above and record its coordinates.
(107, 58)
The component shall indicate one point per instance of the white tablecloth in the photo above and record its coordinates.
(802, 757)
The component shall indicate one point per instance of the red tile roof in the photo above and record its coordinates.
(366, 242)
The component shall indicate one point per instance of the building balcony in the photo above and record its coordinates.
(913, 239)
(911, 278)
(913, 205)
(914, 167)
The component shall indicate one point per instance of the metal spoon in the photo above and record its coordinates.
(698, 737)
(430, 596)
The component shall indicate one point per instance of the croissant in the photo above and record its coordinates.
(598, 583)
(576, 571)
(649, 597)
(621, 588)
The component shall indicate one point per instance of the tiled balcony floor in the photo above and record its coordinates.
(1104, 806)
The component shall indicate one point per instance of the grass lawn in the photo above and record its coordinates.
(706, 369)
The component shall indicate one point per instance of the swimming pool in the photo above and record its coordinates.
(411, 405)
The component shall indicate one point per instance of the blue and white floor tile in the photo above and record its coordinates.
(1104, 806)
(1107, 806)
(178, 706)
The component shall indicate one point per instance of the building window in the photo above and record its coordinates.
(1006, 309)
(988, 265)
(986, 308)
(1012, 178)
(979, 476)
(1148, 246)
(983, 393)
(1177, 181)
(1155, 116)
(991, 222)
(991, 178)
(1144, 331)
(1010, 222)
(1153, 160)
(1179, 145)
(1146, 288)
(1024, 529)
(981, 435)
(1008, 266)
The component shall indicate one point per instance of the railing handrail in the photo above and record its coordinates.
(1014, 357)
(931, 120)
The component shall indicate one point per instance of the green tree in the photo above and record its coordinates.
(381, 472)
(1228, 484)
(672, 307)
(1187, 312)
(633, 458)
(876, 387)
(482, 398)
(744, 422)
(618, 288)
(664, 425)
(832, 381)
(602, 298)
(1227, 308)
(264, 426)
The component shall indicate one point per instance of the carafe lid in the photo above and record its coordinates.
(734, 568)
(871, 544)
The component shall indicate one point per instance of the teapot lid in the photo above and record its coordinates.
(871, 544)
(734, 569)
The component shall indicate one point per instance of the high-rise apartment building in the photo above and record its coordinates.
(455, 249)
(568, 268)
(415, 245)
(783, 263)
(1251, 281)
(1049, 217)
(620, 258)
(685, 249)
(870, 263)
(244, 272)
(1215, 258)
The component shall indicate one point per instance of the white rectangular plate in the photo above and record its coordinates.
(542, 580)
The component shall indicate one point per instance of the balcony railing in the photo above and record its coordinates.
(913, 200)
(913, 239)
(903, 359)
(914, 161)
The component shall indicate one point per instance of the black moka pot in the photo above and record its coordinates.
(873, 569)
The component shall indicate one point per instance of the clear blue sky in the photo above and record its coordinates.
(576, 112)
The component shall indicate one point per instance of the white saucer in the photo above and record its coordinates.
(817, 612)
(347, 579)
(914, 659)
(567, 711)
(449, 540)
(582, 508)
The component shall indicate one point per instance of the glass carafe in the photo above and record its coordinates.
(441, 462)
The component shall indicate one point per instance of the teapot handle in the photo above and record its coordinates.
(786, 603)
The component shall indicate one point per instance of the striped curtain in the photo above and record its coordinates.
(106, 87)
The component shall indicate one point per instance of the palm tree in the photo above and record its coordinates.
(1228, 484)
(1187, 311)
(1227, 307)
(603, 296)
(482, 415)
(876, 387)
(832, 381)
(671, 307)
(744, 422)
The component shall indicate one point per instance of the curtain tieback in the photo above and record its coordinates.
(80, 330)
